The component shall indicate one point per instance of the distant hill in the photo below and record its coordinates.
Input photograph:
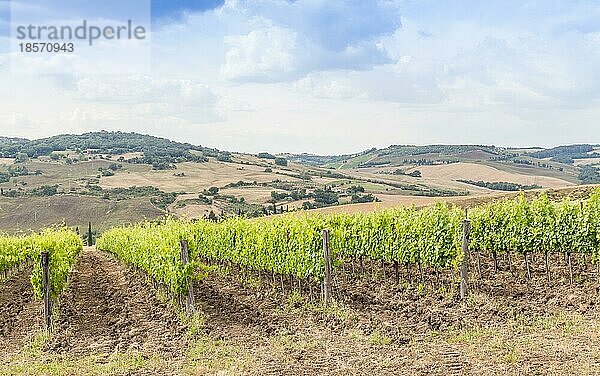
(156, 150)
(322, 160)
(398, 155)
(554, 162)
(567, 153)
(162, 154)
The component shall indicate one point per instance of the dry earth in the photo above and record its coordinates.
(198, 176)
(476, 172)
(107, 309)
(381, 323)
(20, 314)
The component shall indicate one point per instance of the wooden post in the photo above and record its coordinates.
(464, 269)
(185, 259)
(495, 261)
(327, 280)
(547, 266)
(46, 290)
(527, 265)
(362, 265)
(570, 267)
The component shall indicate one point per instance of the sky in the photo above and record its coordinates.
(333, 77)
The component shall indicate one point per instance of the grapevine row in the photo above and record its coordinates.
(292, 244)
(538, 226)
(63, 246)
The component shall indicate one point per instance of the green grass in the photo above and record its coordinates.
(32, 360)
(210, 356)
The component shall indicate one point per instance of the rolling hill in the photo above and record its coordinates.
(80, 178)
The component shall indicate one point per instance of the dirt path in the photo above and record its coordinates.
(107, 309)
(20, 314)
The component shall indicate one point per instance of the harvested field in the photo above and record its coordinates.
(476, 172)
(391, 201)
(197, 177)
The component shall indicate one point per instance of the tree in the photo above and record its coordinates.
(213, 191)
(356, 189)
(307, 205)
(90, 237)
(279, 161)
(21, 158)
(357, 198)
(325, 197)
(45, 190)
(265, 155)
(224, 157)
(212, 216)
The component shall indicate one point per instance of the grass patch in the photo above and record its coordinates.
(210, 356)
(378, 339)
(32, 360)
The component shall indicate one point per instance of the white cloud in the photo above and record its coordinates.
(144, 89)
(269, 54)
(151, 97)
(295, 75)
(331, 85)
(275, 41)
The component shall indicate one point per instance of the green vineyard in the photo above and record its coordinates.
(63, 246)
(292, 245)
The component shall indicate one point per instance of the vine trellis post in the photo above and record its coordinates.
(328, 270)
(464, 269)
(190, 300)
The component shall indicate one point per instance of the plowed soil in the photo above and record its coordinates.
(20, 314)
(509, 325)
(108, 308)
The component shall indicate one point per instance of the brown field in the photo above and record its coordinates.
(6, 161)
(476, 172)
(194, 211)
(34, 213)
(198, 176)
(66, 176)
(392, 201)
(369, 173)
(258, 195)
(127, 156)
(586, 161)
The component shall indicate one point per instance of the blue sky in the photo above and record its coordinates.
(165, 10)
(337, 76)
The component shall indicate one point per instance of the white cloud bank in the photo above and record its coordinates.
(331, 77)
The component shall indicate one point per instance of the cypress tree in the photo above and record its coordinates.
(90, 239)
